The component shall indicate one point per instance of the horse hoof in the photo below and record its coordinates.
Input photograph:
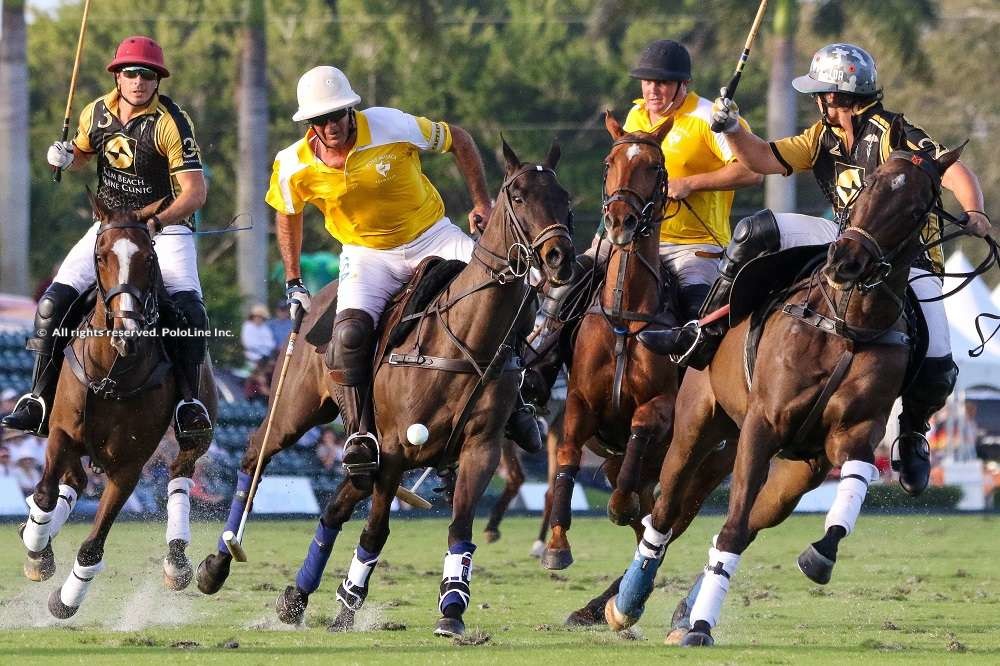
(213, 572)
(537, 548)
(623, 509)
(491, 535)
(58, 608)
(697, 639)
(585, 617)
(449, 627)
(615, 618)
(816, 566)
(344, 620)
(556, 560)
(40, 566)
(291, 605)
(680, 623)
(177, 569)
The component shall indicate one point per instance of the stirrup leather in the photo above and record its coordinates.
(356, 469)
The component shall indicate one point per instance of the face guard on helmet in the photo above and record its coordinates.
(139, 51)
(323, 90)
(842, 68)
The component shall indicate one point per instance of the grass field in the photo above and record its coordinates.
(913, 590)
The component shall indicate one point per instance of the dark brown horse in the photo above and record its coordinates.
(113, 403)
(830, 363)
(620, 394)
(454, 373)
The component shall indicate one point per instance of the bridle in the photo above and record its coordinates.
(150, 312)
(523, 252)
(645, 207)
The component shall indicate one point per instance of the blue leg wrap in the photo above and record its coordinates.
(637, 584)
(236, 507)
(455, 584)
(312, 568)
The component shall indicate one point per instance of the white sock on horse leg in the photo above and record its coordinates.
(653, 541)
(855, 476)
(179, 509)
(75, 588)
(38, 528)
(714, 586)
(64, 507)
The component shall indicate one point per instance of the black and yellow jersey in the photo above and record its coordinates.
(137, 162)
(822, 149)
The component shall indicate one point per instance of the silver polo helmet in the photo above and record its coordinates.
(842, 68)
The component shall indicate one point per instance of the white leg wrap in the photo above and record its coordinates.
(653, 542)
(854, 479)
(179, 509)
(714, 586)
(64, 507)
(456, 579)
(75, 588)
(360, 572)
(38, 528)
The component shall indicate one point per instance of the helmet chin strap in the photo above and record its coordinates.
(352, 128)
(121, 95)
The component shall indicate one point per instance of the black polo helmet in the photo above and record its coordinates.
(663, 60)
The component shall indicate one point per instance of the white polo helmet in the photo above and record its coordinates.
(323, 90)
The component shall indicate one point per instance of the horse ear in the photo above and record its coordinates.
(509, 156)
(661, 132)
(99, 209)
(614, 127)
(950, 157)
(148, 211)
(552, 159)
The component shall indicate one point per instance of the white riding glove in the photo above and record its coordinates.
(298, 297)
(727, 114)
(60, 154)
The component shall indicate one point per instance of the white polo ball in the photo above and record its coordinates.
(417, 434)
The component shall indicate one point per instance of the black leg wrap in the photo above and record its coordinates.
(562, 495)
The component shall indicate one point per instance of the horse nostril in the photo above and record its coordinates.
(554, 257)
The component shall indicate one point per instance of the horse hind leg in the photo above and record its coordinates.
(551, 444)
(578, 425)
(513, 474)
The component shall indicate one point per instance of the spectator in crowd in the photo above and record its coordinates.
(330, 450)
(281, 324)
(27, 472)
(256, 336)
(6, 467)
(204, 494)
(8, 399)
(257, 387)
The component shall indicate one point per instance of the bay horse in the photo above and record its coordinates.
(454, 372)
(619, 393)
(114, 402)
(830, 363)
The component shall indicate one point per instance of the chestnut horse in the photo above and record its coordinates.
(456, 375)
(620, 394)
(830, 363)
(113, 403)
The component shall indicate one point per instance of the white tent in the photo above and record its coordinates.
(962, 309)
(996, 297)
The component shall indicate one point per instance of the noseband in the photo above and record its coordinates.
(644, 207)
(150, 307)
(525, 252)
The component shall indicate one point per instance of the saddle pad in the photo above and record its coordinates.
(763, 275)
(431, 278)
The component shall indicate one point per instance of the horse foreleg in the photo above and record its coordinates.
(50, 506)
(513, 474)
(291, 604)
(65, 601)
(551, 444)
(650, 427)
(177, 569)
(476, 465)
(579, 425)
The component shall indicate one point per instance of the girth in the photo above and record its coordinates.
(459, 365)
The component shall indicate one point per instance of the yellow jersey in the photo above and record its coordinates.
(381, 198)
(691, 147)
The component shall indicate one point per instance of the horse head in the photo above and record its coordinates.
(126, 270)
(537, 217)
(885, 222)
(635, 181)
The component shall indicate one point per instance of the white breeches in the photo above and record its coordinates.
(681, 260)
(798, 230)
(175, 252)
(369, 277)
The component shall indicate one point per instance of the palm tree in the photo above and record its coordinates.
(14, 173)
(252, 167)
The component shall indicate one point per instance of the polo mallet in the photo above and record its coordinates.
(730, 90)
(411, 497)
(234, 542)
(56, 171)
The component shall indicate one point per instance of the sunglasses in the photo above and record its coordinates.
(132, 72)
(334, 116)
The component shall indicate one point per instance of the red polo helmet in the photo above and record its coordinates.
(141, 51)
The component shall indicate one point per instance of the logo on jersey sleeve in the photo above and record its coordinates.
(849, 183)
(119, 151)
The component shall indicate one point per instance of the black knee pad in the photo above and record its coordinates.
(933, 384)
(53, 309)
(195, 319)
(353, 340)
(753, 236)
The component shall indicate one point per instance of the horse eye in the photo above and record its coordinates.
(516, 199)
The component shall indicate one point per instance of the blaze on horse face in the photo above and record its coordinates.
(888, 214)
(633, 173)
(124, 265)
(540, 203)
